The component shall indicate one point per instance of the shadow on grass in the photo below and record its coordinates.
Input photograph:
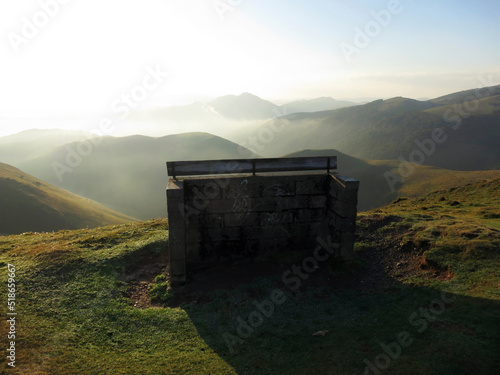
(76, 316)
(263, 327)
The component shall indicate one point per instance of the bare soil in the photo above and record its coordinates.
(141, 280)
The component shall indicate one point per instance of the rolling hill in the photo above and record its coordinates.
(396, 128)
(462, 96)
(250, 107)
(230, 111)
(244, 107)
(374, 191)
(28, 204)
(128, 174)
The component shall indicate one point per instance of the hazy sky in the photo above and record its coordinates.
(78, 56)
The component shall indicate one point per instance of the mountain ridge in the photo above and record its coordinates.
(394, 129)
(130, 171)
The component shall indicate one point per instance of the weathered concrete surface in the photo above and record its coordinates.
(214, 218)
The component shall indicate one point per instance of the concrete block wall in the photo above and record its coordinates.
(213, 218)
(342, 211)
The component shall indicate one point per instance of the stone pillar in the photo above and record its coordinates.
(177, 232)
(343, 196)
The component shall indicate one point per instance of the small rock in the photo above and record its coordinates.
(320, 333)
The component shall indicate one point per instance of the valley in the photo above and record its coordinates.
(396, 147)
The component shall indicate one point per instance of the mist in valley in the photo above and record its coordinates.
(232, 83)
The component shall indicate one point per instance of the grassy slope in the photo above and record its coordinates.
(75, 316)
(75, 319)
(426, 179)
(458, 228)
(374, 190)
(131, 171)
(470, 146)
(485, 106)
(29, 204)
(388, 129)
(462, 96)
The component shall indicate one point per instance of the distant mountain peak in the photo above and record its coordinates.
(249, 94)
(245, 106)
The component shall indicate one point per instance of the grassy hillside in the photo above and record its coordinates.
(389, 129)
(455, 230)
(422, 297)
(128, 174)
(426, 179)
(462, 96)
(28, 204)
(470, 142)
(331, 129)
(374, 190)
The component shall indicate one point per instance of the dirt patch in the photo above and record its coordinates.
(141, 279)
(394, 256)
(139, 294)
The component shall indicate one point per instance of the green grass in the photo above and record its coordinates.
(161, 291)
(426, 179)
(374, 191)
(31, 204)
(457, 229)
(483, 106)
(75, 316)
